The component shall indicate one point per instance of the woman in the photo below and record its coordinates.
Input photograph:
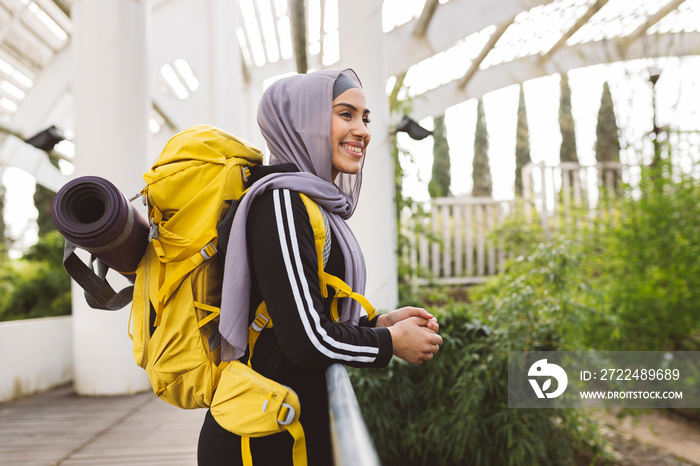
(320, 123)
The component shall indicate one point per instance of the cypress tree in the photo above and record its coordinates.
(607, 145)
(43, 201)
(567, 151)
(481, 173)
(439, 185)
(522, 144)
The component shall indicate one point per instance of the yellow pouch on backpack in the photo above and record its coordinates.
(251, 405)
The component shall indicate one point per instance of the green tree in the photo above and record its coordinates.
(481, 173)
(567, 151)
(43, 201)
(522, 144)
(36, 285)
(607, 145)
(439, 185)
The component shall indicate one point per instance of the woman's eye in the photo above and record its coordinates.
(345, 115)
(366, 120)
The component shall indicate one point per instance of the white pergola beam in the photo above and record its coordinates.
(592, 10)
(405, 46)
(457, 19)
(436, 101)
(651, 20)
(43, 102)
(50, 86)
(426, 17)
(476, 63)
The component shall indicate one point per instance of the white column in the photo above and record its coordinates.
(374, 221)
(112, 102)
(226, 69)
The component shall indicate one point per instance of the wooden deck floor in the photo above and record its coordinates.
(61, 428)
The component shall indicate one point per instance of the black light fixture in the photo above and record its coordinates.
(654, 75)
(47, 139)
(413, 129)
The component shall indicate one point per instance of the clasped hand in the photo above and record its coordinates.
(413, 333)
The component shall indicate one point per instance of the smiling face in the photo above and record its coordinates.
(350, 133)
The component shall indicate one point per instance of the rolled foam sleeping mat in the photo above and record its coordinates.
(93, 214)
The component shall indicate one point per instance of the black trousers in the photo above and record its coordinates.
(219, 447)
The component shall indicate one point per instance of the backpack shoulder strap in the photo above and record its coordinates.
(319, 224)
(321, 237)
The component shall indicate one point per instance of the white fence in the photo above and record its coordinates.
(454, 244)
(559, 192)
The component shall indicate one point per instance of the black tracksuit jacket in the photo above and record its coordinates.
(303, 341)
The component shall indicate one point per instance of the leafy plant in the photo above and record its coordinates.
(36, 285)
(519, 232)
(648, 264)
(454, 409)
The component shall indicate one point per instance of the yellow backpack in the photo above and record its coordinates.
(192, 193)
(177, 292)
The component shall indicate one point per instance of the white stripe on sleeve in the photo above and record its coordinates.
(292, 259)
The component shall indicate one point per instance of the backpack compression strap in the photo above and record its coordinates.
(98, 293)
(262, 321)
(198, 251)
(343, 290)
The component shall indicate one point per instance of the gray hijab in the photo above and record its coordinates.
(295, 119)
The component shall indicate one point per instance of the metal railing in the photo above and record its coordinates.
(352, 445)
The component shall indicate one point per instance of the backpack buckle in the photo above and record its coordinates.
(286, 415)
(259, 323)
(246, 174)
(152, 230)
(208, 251)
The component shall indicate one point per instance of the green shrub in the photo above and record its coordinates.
(544, 300)
(36, 285)
(641, 254)
(454, 409)
(648, 265)
(519, 232)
